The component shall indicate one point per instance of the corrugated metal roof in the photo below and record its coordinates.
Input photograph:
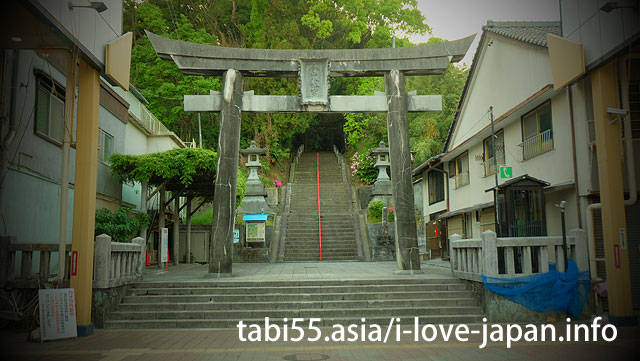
(533, 32)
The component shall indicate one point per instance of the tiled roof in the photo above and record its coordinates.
(533, 32)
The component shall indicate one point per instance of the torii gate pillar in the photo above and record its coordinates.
(224, 198)
(407, 254)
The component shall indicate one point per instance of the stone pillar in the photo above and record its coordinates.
(84, 200)
(141, 258)
(408, 257)
(489, 253)
(102, 261)
(224, 199)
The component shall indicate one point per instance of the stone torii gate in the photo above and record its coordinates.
(313, 68)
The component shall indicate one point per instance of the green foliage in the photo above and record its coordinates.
(362, 167)
(205, 217)
(119, 225)
(182, 163)
(374, 212)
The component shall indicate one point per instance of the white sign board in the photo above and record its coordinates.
(57, 308)
(255, 231)
(164, 245)
(236, 236)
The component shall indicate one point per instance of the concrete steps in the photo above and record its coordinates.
(211, 304)
(302, 242)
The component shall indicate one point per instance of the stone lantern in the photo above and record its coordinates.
(382, 186)
(254, 200)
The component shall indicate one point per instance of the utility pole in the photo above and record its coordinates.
(495, 159)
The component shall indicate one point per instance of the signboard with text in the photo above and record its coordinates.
(255, 231)
(164, 245)
(57, 309)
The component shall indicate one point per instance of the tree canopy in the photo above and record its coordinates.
(284, 24)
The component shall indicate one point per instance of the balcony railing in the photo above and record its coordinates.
(461, 179)
(491, 165)
(538, 144)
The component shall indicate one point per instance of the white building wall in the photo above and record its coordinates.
(510, 68)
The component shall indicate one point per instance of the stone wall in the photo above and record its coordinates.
(499, 309)
(106, 301)
(382, 246)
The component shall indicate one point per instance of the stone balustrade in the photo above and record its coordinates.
(116, 263)
(514, 256)
(17, 266)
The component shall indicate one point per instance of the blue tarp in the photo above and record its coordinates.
(551, 291)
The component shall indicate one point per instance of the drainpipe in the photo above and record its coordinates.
(573, 151)
(69, 105)
(633, 190)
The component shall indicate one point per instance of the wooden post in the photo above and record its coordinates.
(490, 253)
(604, 87)
(188, 235)
(5, 260)
(163, 200)
(84, 199)
(176, 230)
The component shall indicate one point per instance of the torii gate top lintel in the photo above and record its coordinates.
(201, 59)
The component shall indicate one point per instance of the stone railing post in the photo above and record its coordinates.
(139, 266)
(489, 253)
(452, 252)
(581, 251)
(102, 263)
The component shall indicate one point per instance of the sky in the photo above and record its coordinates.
(455, 19)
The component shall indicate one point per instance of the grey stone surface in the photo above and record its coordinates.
(227, 176)
(364, 196)
(106, 301)
(254, 201)
(408, 256)
(381, 241)
(203, 59)
(293, 104)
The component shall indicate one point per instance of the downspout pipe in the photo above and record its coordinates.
(11, 131)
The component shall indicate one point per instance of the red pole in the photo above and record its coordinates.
(319, 217)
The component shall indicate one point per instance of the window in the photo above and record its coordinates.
(435, 181)
(105, 146)
(49, 109)
(467, 226)
(491, 161)
(459, 170)
(537, 134)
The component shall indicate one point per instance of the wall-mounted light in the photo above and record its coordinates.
(612, 5)
(98, 6)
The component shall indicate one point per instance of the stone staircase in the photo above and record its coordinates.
(302, 242)
(220, 304)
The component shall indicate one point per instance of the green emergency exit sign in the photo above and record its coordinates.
(506, 172)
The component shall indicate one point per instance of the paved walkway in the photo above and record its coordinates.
(201, 345)
(296, 272)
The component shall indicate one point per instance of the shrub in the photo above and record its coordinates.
(119, 225)
(374, 212)
(362, 167)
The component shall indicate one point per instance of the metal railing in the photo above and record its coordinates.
(491, 165)
(471, 258)
(461, 179)
(536, 145)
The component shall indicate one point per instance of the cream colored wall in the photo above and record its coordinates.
(510, 68)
